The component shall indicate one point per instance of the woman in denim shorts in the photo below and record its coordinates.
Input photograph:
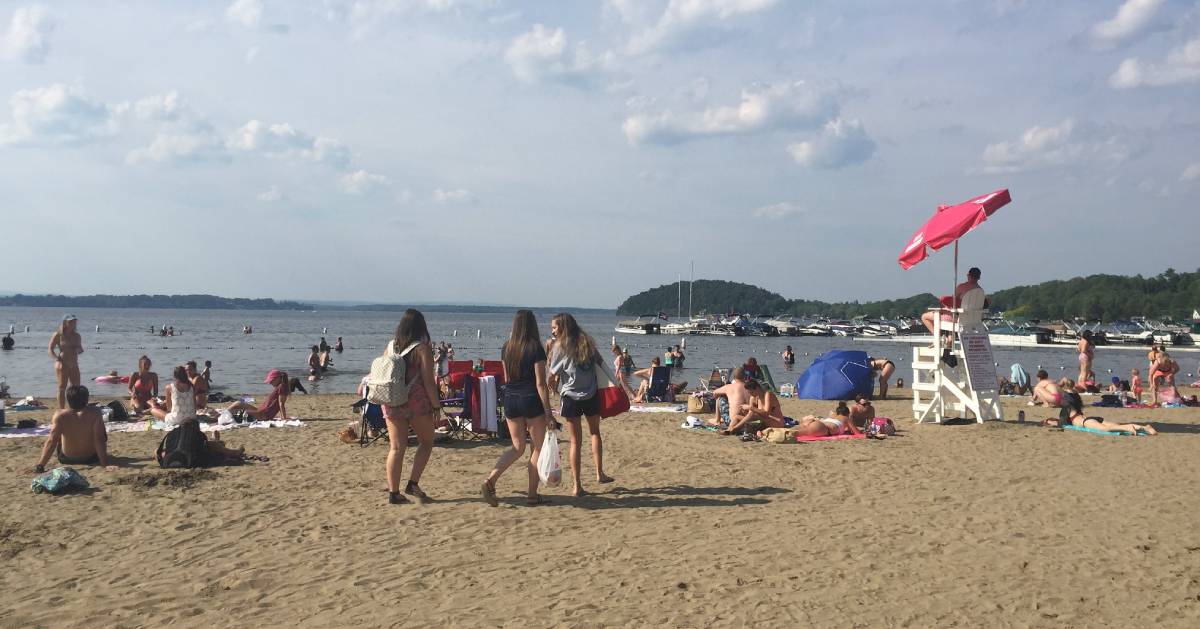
(526, 403)
(573, 362)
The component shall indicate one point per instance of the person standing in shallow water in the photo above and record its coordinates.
(573, 362)
(69, 344)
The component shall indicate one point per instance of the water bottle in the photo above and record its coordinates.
(1020, 417)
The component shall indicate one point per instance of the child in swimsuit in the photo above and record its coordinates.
(1135, 382)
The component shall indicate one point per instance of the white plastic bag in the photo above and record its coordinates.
(225, 418)
(549, 463)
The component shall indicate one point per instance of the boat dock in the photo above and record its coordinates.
(999, 340)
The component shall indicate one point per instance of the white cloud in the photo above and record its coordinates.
(28, 36)
(1191, 173)
(1134, 19)
(247, 13)
(842, 143)
(166, 106)
(1182, 65)
(201, 25)
(252, 53)
(778, 210)
(57, 114)
(1061, 145)
(361, 182)
(271, 195)
(284, 140)
(685, 17)
(544, 55)
(762, 108)
(178, 147)
(448, 197)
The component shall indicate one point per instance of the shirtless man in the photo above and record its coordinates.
(66, 361)
(960, 290)
(763, 406)
(199, 384)
(1046, 391)
(77, 434)
(736, 394)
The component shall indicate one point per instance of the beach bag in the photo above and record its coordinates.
(549, 463)
(119, 413)
(183, 447)
(386, 381)
(348, 434)
(779, 435)
(57, 481)
(613, 400)
(697, 404)
(881, 426)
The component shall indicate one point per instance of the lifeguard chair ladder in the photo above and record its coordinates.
(969, 386)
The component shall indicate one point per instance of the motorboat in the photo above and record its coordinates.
(784, 325)
(644, 324)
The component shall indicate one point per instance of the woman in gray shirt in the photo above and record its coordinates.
(573, 362)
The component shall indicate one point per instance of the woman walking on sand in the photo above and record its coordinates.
(66, 361)
(417, 413)
(573, 362)
(526, 403)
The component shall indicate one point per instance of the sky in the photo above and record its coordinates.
(576, 153)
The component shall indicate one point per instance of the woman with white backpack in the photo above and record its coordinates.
(409, 397)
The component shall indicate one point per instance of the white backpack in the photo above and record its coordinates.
(386, 382)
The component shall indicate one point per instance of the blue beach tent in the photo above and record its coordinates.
(835, 375)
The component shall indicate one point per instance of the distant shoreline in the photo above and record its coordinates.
(210, 302)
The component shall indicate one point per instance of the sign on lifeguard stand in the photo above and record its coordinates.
(959, 377)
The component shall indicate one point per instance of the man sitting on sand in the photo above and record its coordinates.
(761, 411)
(736, 397)
(77, 434)
(1046, 391)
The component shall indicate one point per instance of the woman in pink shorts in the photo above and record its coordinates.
(417, 413)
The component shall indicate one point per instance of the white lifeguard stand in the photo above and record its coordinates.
(970, 386)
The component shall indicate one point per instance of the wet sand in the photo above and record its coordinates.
(1001, 524)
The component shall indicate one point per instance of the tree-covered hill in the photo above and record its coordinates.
(1105, 297)
(151, 301)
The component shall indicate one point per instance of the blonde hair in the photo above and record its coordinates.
(573, 341)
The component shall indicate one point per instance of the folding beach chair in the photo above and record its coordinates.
(766, 380)
(659, 389)
(370, 420)
(456, 373)
(715, 381)
(494, 368)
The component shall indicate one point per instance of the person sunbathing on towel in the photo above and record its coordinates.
(836, 424)
(276, 403)
(735, 397)
(1046, 391)
(1072, 415)
(762, 411)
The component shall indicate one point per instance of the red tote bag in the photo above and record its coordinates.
(613, 400)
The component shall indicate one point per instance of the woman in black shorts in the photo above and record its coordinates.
(526, 403)
(573, 362)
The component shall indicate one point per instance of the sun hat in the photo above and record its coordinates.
(271, 375)
(69, 317)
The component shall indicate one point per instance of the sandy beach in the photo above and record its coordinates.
(1001, 524)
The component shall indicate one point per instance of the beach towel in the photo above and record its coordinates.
(41, 430)
(487, 404)
(642, 408)
(1097, 431)
(803, 438)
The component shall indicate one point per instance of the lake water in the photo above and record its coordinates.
(281, 340)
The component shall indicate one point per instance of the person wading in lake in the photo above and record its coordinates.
(66, 362)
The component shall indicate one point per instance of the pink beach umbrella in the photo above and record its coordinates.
(948, 224)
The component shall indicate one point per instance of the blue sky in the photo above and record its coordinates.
(579, 152)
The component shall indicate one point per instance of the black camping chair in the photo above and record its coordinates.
(371, 421)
